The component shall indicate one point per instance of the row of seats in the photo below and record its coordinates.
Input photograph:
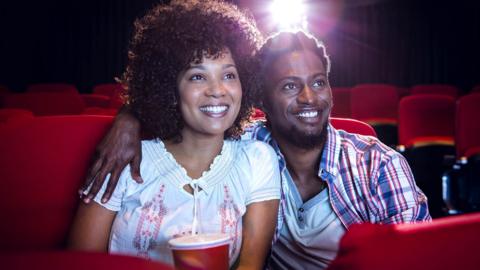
(435, 132)
(44, 161)
(378, 104)
(57, 98)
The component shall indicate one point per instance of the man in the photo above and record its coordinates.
(331, 179)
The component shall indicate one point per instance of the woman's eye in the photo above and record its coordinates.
(319, 83)
(196, 77)
(290, 86)
(230, 76)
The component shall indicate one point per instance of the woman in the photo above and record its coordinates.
(187, 64)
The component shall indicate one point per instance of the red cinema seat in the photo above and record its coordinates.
(4, 91)
(436, 89)
(257, 115)
(52, 88)
(11, 116)
(377, 105)
(341, 102)
(46, 103)
(465, 187)
(353, 126)
(403, 92)
(444, 244)
(108, 89)
(62, 260)
(426, 130)
(113, 90)
(476, 89)
(44, 162)
(425, 119)
(95, 100)
(468, 125)
(100, 111)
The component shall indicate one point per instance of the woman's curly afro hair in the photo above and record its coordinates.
(170, 37)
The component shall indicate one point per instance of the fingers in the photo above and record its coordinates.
(135, 168)
(97, 184)
(112, 183)
(91, 175)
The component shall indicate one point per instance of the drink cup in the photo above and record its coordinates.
(201, 251)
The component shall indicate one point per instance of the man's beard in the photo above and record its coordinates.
(304, 140)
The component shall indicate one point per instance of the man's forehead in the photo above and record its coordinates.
(297, 63)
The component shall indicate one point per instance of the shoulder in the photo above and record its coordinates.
(254, 148)
(365, 147)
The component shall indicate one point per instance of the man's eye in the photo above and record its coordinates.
(196, 77)
(289, 86)
(319, 83)
(230, 76)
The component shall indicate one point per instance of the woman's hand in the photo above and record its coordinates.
(120, 147)
(259, 224)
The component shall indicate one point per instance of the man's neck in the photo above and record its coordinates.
(303, 164)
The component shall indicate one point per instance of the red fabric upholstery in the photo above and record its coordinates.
(44, 162)
(476, 89)
(376, 103)
(4, 89)
(341, 102)
(9, 115)
(76, 261)
(403, 92)
(426, 116)
(446, 243)
(468, 124)
(95, 100)
(100, 111)
(108, 89)
(438, 89)
(46, 103)
(258, 115)
(353, 126)
(113, 90)
(52, 88)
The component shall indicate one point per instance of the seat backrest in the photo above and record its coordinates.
(353, 126)
(46, 103)
(467, 134)
(52, 88)
(374, 103)
(426, 116)
(14, 115)
(44, 162)
(436, 89)
(476, 89)
(77, 260)
(108, 89)
(445, 243)
(341, 102)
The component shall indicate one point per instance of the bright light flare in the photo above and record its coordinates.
(289, 14)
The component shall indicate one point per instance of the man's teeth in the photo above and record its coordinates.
(214, 109)
(308, 114)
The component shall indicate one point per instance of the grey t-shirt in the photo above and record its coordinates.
(310, 236)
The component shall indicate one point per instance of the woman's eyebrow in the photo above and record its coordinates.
(228, 66)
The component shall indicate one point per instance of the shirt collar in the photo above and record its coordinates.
(330, 153)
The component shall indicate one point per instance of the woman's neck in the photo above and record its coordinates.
(195, 153)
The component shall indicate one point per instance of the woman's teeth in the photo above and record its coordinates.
(214, 109)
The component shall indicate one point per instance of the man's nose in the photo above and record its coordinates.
(306, 95)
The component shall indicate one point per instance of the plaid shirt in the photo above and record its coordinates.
(367, 181)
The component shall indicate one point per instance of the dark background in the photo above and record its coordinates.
(402, 42)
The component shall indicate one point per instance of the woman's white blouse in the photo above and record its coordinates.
(151, 213)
